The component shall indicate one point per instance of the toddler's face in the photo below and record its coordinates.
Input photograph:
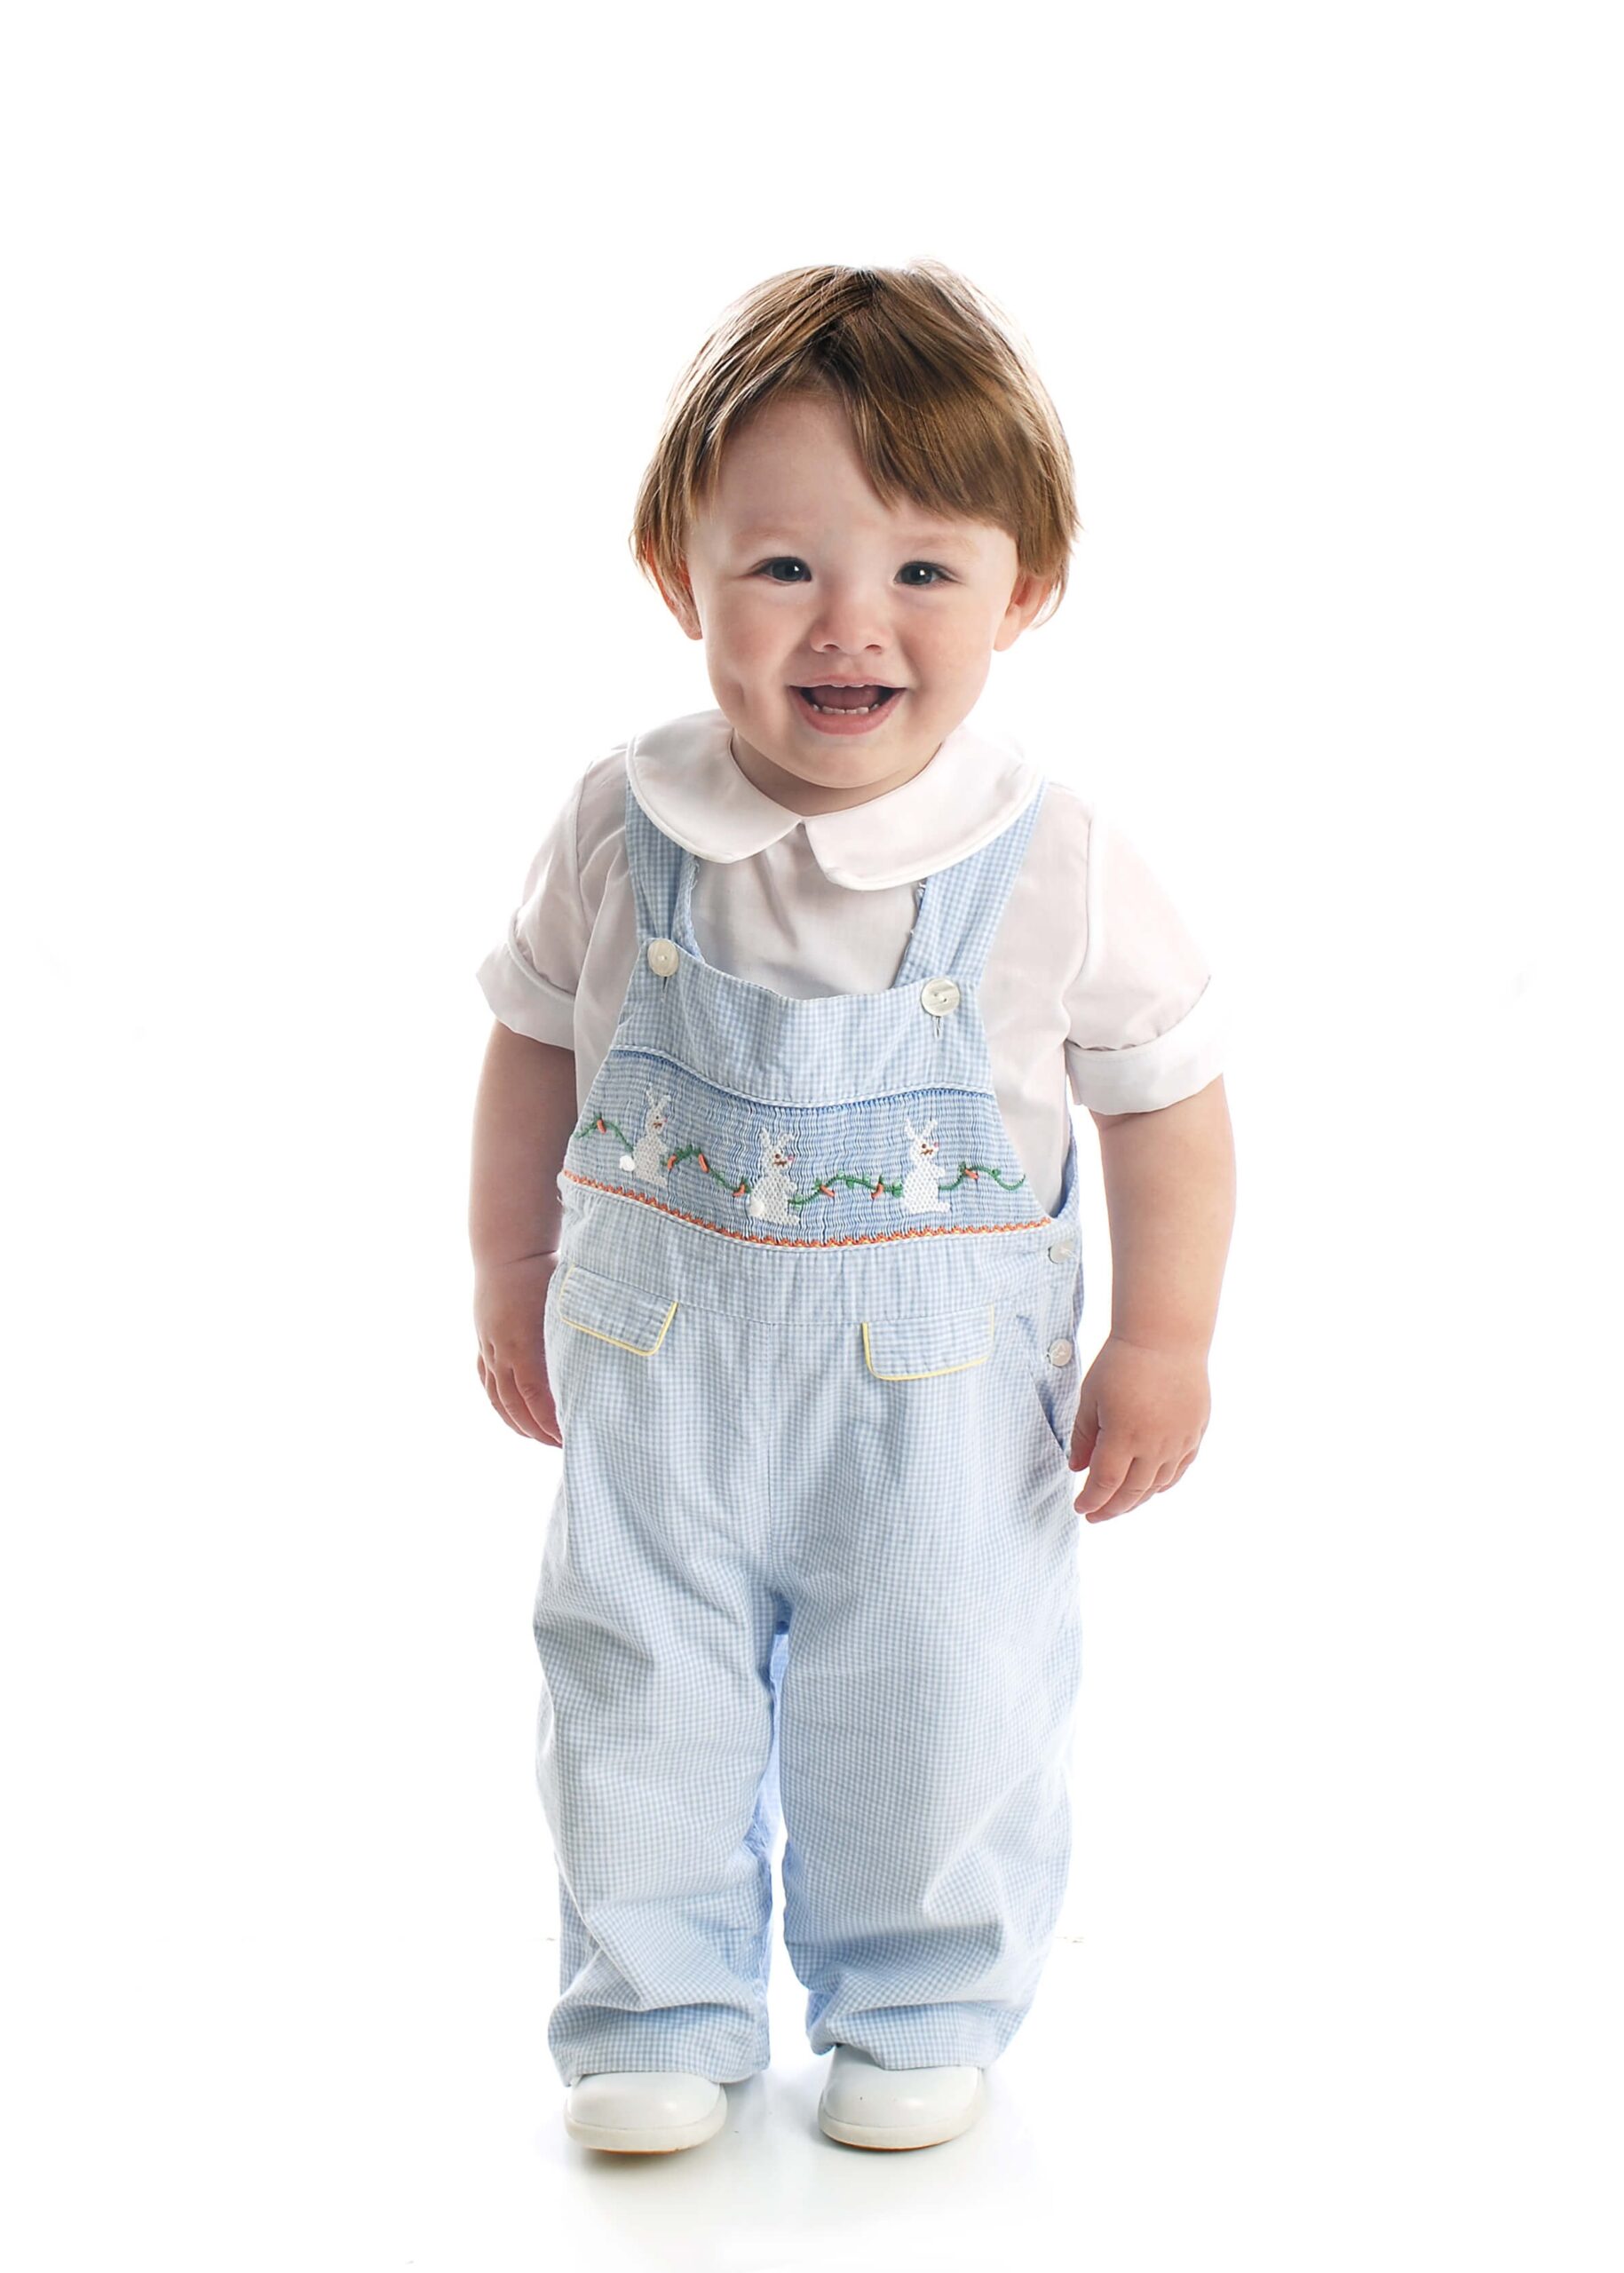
(798, 574)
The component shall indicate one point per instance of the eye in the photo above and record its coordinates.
(789, 560)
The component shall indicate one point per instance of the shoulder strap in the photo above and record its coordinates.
(655, 863)
(962, 906)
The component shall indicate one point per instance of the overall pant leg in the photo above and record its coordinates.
(655, 1739)
(927, 1702)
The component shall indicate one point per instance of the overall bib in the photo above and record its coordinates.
(813, 1557)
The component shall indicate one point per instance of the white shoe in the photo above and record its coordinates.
(644, 2110)
(867, 2106)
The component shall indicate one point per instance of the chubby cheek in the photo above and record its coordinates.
(753, 642)
(953, 642)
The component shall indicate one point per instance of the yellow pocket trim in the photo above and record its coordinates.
(914, 1337)
(621, 1305)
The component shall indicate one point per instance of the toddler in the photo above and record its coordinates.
(775, 1226)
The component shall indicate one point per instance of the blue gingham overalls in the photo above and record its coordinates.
(812, 1345)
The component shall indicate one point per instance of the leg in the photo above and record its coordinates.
(655, 1737)
(926, 1713)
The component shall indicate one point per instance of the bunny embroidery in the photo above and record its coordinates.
(770, 1199)
(645, 1158)
(792, 1393)
(921, 1194)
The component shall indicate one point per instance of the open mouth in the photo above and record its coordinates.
(847, 701)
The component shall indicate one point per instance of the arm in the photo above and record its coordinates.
(1170, 1197)
(1169, 1179)
(524, 1117)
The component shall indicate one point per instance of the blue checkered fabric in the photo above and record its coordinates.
(812, 1562)
(835, 1117)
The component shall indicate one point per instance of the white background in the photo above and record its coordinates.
(338, 337)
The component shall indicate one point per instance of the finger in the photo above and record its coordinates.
(513, 1404)
(1167, 1475)
(1106, 1472)
(488, 1375)
(537, 1397)
(497, 1380)
(489, 1379)
(1132, 1486)
(1085, 1435)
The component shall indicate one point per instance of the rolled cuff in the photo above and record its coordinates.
(522, 999)
(1146, 1075)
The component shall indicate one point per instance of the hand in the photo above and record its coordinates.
(508, 1300)
(1141, 1415)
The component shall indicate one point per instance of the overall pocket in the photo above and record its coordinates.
(1056, 1386)
(591, 1321)
(925, 1342)
(926, 1345)
(611, 1310)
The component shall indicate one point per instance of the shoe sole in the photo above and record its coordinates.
(650, 2139)
(892, 2138)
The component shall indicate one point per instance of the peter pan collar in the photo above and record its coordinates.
(683, 776)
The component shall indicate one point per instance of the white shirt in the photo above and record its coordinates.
(1091, 976)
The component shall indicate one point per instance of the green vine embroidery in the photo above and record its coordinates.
(771, 1193)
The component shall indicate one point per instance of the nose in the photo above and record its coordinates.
(852, 626)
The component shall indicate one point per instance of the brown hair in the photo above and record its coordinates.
(946, 405)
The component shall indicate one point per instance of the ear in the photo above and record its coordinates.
(1025, 600)
(679, 598)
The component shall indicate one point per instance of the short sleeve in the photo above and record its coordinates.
(530, 978)
(1145, 1023)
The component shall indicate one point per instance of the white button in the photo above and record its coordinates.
(940, 995)
(1061, 1249)
(1059, 1353)
(662, 956)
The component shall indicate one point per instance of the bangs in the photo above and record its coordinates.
(946, 411)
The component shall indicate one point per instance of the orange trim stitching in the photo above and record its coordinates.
(854, 1239)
